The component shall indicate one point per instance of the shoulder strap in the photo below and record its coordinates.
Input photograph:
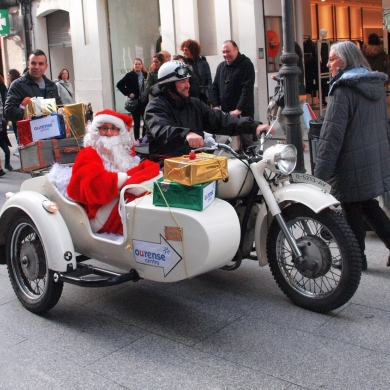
(66, 89)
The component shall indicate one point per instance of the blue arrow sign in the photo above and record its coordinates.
(160, 255)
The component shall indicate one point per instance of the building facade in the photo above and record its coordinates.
(97, 40)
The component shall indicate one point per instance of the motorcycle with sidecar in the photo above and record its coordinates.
(263, 213)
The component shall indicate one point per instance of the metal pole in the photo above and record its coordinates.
(290, 72)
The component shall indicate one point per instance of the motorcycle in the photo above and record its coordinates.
(263, 212)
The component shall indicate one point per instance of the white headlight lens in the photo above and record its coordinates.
(286, 159)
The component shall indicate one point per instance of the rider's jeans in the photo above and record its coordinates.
(356, 213)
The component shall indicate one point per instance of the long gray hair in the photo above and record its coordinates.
(350, 54)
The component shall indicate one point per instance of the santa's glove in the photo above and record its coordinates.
(145, 173)
(25, 101)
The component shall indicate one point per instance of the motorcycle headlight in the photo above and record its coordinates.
(281, 158)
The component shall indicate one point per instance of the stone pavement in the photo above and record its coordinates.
(222, 330)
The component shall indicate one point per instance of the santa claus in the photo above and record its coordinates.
(105, 165)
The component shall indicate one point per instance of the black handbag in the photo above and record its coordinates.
(131, 104)
(278, 97)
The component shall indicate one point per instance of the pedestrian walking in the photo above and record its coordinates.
(354, 149)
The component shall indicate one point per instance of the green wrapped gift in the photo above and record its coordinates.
(172, 194)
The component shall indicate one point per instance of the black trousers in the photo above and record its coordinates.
(5, 147)
(369, 211)
(137, 115)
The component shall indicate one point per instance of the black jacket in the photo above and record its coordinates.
(233, 86)
(23, 87)
(129, 84)
(170, 120)
(354, 147)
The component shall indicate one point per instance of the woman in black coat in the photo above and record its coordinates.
(4, 141)
(133, 86)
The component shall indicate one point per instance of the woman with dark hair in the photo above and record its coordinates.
(157, 60)
(65, 88)
(191, 50)
(375, 54)
(133, 85)
(354, 147)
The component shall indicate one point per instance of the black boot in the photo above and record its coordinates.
(2, 173)
(8, 166)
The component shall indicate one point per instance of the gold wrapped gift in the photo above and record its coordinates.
(204, 168)
(74, 115)
(38, 106)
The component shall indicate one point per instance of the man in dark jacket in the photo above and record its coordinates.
(232, 89)
(33, 83)
(354, 147)
(176, 122)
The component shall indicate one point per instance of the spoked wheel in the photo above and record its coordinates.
(30, 277)
(327, 242)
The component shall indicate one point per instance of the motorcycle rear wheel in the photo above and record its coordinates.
(325, 238)
(29, 274)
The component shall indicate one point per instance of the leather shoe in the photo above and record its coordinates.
(2, 173)
(8, 166)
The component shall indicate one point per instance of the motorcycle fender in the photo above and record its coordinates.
(52, 228)
(306, 194)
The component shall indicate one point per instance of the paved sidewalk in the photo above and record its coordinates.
(223, 330)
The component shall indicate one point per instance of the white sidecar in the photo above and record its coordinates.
(159, 243)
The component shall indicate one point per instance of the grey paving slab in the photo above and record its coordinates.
(302, 358)
(7, 293)
(158, 311)
(25, 366)
(249, 290)
(156, 363)
(362, 326)
(80, 334)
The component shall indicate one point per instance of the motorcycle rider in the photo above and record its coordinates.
(176, 122)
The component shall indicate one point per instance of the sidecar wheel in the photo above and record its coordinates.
(30, 277)
(326, 239)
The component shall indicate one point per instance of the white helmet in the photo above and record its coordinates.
(173, 71)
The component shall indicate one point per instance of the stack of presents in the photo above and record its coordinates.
(190, 182)
(48, 134)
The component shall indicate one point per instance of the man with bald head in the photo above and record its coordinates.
(232, 89)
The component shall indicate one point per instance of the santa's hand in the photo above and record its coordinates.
(194, 140)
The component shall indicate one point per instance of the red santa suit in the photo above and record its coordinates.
(96, 187)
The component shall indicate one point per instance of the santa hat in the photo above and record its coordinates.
(122, 121)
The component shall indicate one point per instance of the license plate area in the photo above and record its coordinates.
(309, 179)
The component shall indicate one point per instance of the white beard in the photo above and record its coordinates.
(115, 153)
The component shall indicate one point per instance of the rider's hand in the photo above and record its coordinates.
(194, 140)
(263, 129)
(235, 112)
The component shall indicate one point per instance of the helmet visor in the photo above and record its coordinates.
(181, 72)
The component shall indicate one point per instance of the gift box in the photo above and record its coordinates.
(204, 168)
(38, 106)
(24, 132)
(46, 127)
(196, 197)
(74, 115)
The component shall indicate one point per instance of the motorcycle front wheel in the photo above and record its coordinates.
(29, 274)
(327, 242)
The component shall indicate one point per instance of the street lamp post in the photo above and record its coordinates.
(290, 71)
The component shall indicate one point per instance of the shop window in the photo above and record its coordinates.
(134, 33)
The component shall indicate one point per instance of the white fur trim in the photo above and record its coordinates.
(122, 177)
(101, 119)
(148, 183)
(102, 215)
